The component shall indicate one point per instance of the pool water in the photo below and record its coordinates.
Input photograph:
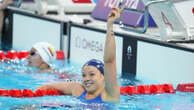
(13, 76)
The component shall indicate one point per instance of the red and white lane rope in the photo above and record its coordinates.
(127, 90)
(28, 93)
(12, 54)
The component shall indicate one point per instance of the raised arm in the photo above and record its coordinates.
(110, 75)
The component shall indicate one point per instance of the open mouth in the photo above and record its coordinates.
(88, 84)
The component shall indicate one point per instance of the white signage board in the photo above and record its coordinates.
(86, 44)
(28, 30)
(164, 64)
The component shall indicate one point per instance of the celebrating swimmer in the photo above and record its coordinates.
(99, 81)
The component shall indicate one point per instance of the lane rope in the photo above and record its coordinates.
(127, 90)
(12, 55)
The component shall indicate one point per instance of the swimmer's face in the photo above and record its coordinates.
(92, 79)
(34, 58)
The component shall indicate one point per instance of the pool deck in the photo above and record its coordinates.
(151, 33)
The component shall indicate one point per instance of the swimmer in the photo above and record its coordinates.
(42, 55)
(99, 80)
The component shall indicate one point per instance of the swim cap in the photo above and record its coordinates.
(96, 63)
(46, 52)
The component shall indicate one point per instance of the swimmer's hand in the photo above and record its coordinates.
(114, 14)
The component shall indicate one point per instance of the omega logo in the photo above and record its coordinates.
(92, 45)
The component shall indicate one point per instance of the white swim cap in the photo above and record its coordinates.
(46, 52)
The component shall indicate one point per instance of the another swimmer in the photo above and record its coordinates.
(42, 55)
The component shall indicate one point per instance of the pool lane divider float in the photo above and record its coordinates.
(156, 89)
(127, 90)
(147, 89)
(28, 93)
(185, 87)
(12, 55)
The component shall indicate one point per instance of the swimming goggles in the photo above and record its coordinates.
(32, 53)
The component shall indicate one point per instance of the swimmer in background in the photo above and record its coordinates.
(99, 81)
(42, 55)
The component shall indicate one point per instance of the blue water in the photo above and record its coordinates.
(13, 76)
